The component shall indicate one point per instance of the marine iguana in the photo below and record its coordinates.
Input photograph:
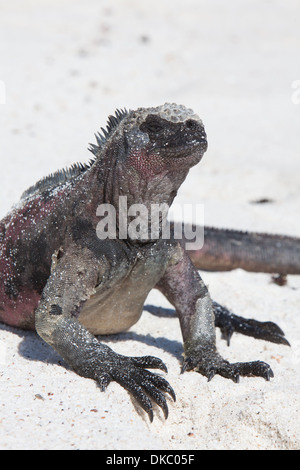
(59, 277)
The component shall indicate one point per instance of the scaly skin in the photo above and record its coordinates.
(57, 275)
(225, 250)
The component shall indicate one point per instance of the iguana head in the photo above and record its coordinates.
(146, 154)
(155, 140)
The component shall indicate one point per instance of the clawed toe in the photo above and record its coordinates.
(209, 363)
(234, 371)
(151, 388)
(145, 386)
(268, 331)
(229, 323)
(149, 362)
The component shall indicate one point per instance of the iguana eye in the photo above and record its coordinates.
(152, 124)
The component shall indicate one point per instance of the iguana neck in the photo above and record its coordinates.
(105, 184)
(127, 181)
(124, 182)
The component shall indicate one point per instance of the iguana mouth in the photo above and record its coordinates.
(189, 149)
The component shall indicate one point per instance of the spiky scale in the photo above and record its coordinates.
(93, 148)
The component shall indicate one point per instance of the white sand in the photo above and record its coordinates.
(66, 65)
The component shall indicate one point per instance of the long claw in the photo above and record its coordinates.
(211, 374)
(236, 378)
(137, 392)
(157, 397)
(163, 385)
(150, 414)
(187, 365)
(145, 386)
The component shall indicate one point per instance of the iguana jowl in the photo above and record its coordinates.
(57, 276)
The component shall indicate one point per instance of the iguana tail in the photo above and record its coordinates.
(224, 250)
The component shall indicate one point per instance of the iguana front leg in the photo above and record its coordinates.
(73, 280)
(184, 288)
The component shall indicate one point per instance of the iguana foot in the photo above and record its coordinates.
(229, 323)
(130, 372)
(208, 362)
